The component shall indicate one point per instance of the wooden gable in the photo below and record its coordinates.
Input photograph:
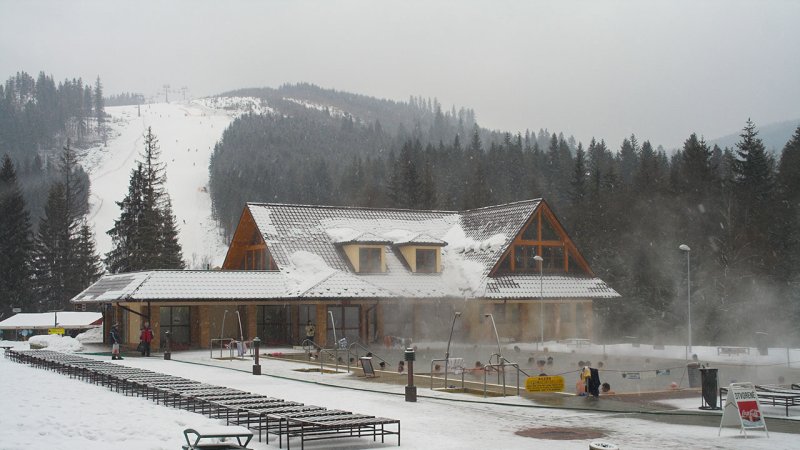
(247, 250)
(542, 235)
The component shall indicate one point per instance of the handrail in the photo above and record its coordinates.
(357, 344)
(500, 367)
(221, 340)
(446, 370)
(321, 350)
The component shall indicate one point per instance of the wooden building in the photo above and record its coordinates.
(377, 275)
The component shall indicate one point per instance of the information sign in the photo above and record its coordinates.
(742, 408)
(545, 384)
(55, 331)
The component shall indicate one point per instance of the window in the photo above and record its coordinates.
(174, 319)
(523, 258)
(274, 324)
(258, 259)
(369, 260)
(426, 261)
(553, 259)
(548, 232)
(348, 323)
(530, 233)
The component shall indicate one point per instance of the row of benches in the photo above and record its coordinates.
(772, 394)
(264, 414)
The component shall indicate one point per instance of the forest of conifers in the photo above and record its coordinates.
(627, 206)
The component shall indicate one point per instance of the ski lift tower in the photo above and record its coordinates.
(166, 93)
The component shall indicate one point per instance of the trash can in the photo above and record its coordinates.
(761, 343)
(693, 369)
(710, 388)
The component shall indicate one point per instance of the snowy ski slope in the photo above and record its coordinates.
(186, 134)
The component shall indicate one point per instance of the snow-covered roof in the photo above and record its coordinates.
(473, 241)
(305, 242)
(552, 286)
(191, 285)
(64, 319)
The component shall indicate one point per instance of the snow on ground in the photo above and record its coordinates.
(56, 343)
(332, 110)
(91, 336)
(44, 405)
(187, 133)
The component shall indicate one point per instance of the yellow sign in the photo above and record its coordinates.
(545, 384)
(55, 331)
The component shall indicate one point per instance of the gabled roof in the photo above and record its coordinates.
(477, 235)
(473, 242)
(305, 243)
(420, 239)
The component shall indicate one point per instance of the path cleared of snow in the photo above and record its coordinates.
(187, 133)
(41, 409)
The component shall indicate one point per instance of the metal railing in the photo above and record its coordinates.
(500, 367)
(222, 344)
(357, 345)
(446, 362)
(309, 345)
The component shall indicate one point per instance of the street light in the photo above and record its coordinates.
(540, 260)
(685, 248)
(452, 327)
(497, 336)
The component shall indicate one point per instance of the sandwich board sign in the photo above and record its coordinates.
(366, 364)
(742, 408)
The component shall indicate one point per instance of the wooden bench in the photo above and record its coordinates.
(217, 432)
(730, 351)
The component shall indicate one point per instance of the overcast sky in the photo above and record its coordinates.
(660, 69)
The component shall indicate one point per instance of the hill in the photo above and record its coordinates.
(774, 135)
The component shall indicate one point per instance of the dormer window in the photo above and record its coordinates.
(426, 260)
(364, 251)
(369, 260)
(422, 253)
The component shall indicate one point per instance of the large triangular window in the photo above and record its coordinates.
(542, 235)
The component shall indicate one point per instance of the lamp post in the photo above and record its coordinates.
(335, 343)
(685, 248)
(256, 364)
(497, 336)
(540, 261)
(447, 353)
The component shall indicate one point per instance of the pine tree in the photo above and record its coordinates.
(755, 194)
(788, 211)
(53, 249)
(145, 237)
(171, 253)
(99, 106)
(126, 254)
(16, 246)
(58, 264)
(87, 260)
(479, 192)
(578, 183)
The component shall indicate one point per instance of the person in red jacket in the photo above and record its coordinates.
(145, 338)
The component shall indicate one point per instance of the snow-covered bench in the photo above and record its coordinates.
(223, 433)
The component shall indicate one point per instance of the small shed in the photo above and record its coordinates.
(38, 323)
